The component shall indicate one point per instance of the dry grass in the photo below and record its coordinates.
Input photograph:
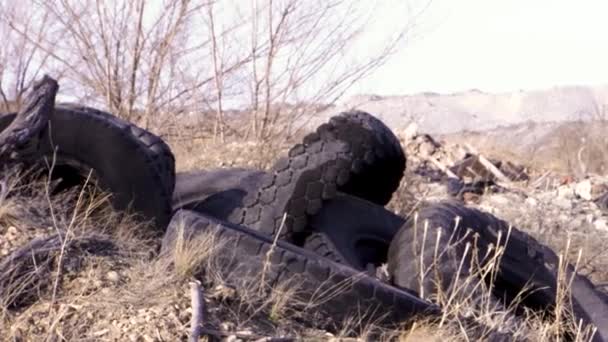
(571, 148)
(126, 293)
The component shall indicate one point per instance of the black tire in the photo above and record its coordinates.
(347, 229)
(379, 161)
(136, 166)
(216, 192)
(353, 231)
(242, 255)
(525, 263)
(349, 153)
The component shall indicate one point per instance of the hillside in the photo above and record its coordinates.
(474, 110)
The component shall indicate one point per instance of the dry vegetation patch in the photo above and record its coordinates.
(116, 289)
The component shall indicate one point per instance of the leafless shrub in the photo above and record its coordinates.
(278, 62)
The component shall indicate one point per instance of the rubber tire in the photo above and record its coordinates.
(215, 192)
(340, 155)
(243, 255)
(379, 158)
(339, 228)
(136, 166)
(353, 231)
(525, 261)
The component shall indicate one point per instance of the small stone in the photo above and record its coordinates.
(470, 197)
(227, 326)
(601, 224)
(565, 191)
(113, 276)
(531, 201)
(223, 293)
(426, 149)
(231, 338)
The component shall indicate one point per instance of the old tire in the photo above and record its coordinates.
(525, 262)
(215, 192)
(247, 257)
(347, 229)
(353, 231)
(379, 160)
(134, 165)
(352, 153)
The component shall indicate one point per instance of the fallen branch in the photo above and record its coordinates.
(493, 169)
(489, 166)
(198, 310)
(30, 120)
(442, 167)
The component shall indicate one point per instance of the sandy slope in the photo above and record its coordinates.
(476, 110)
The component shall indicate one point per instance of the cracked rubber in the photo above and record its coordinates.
(525, 261)
(243, 252)
(136, 166)
(353, 153)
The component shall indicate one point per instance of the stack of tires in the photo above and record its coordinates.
(332, 189)
(319, 209)
(327, 194)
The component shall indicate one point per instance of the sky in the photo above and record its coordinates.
(498, 46)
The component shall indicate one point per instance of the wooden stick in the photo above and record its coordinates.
(31, 119)
(538, 181)
(488, 165)
(492, 168)
(442, 167)
(198, 310)
(3, 191)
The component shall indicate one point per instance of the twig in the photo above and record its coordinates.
(198, 310)
(539, 180)
(269, 253)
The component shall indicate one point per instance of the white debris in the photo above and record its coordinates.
(583, 190)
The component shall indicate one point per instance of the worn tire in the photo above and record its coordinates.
(353, 231)
(136, 166)
(379, 160)
(352, 153)
(215, 192)
(242, 254)
(525, 262)
(347, 229)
